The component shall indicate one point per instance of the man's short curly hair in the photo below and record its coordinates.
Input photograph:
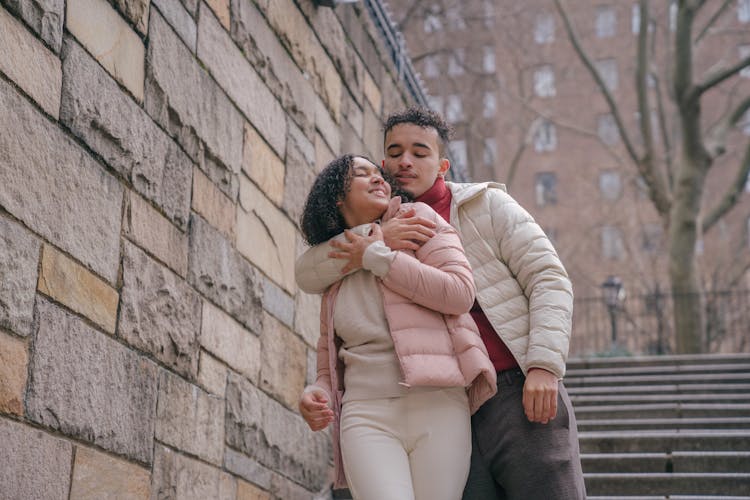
(422, 117)
(321, 218)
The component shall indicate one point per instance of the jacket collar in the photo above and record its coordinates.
(466, 191)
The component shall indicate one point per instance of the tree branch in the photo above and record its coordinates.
(721, 75)
(713, 19)
(664, 131)
(716, 145)
(732, 195)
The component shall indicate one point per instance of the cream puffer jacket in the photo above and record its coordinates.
(427, 295)
(522, 286)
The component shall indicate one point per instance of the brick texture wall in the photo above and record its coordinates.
(154, 159)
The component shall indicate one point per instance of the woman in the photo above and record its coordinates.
(397, 350)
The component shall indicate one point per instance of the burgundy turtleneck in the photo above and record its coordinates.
(439, 197)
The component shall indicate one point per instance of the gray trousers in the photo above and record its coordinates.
(515, 459)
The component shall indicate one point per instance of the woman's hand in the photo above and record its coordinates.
(354, 248)
(313, 406)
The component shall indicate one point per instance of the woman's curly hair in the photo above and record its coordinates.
(322, 219)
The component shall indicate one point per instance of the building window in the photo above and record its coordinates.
(489, 103)
(488, 59)
(544, 81)
(610, 185)
(458, 153)
(672, 15)
(606, 22)
(456, 63)
(432, 66)
(744, 53)
(635, 19)
(748, 231)
(454, 109)
(613, 246)
(435, 103)
(744, 123)
(544, 28)
(456, 21)
(607, 69)
(489, 153)
(743, 11)
(545, 189)
(432, 22)
(545, 136)
(606, 128)
(488, 6)
(651, 237)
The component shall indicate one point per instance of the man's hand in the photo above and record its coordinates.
(407, 232)
(313, 406)
(354, 248)
(540, 395)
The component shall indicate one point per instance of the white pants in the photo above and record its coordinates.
(414, 447)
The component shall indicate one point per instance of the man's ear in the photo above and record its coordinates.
(445, 164)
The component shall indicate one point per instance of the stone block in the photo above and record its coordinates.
(19, 258)
(97, 475)
(284, 370)
(189, 419)
(191, 6)
(245, 467)
(277, 302)
(213, 205)
(323, 153)
(373, 133)
(307, 317)
(312, 367)
(269, 433)
(55, 187)
(265, 235)
(262, 165)
(179, 93)
(240, 81)
(33, 463)
(136, 11)
(176, 476)
(154, 233)
(90, 387)
(372, 92)
(212, 375)
(354, 116)
(110, 40)
(27, 62)
(262, 48)
(300, 175)
(221, 10)
(45, 17)
(180, 19)
(327, 127)
(71, 284)
(221, 274)
(159, 312)
(113, 125)
(226, 339)
(247, 491)
(14, 361)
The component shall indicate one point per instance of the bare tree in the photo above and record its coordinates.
(676, 174)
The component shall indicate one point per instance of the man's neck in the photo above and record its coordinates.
(439, 198)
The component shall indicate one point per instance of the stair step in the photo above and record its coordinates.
(667, 484)
(668, 369)
(730, 398)
(681, 462)
(659, 379)
(662, 410)
(661, 389)
(663, 423)
(672, 360)
(660, 441)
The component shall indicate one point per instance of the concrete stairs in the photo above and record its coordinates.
(663, 427)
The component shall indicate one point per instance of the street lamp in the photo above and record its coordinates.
(614, 295)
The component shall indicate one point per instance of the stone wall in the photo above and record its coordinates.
(154, 159)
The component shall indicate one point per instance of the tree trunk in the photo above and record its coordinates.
(689, 313)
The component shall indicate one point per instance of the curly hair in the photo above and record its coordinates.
(422, 117)
(321, 218)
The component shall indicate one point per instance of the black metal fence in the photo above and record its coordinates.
(644, 324)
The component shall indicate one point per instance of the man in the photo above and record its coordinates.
(525, 442)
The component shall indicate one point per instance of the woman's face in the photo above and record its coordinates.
(368, 195)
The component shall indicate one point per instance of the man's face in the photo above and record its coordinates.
(412, 155)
